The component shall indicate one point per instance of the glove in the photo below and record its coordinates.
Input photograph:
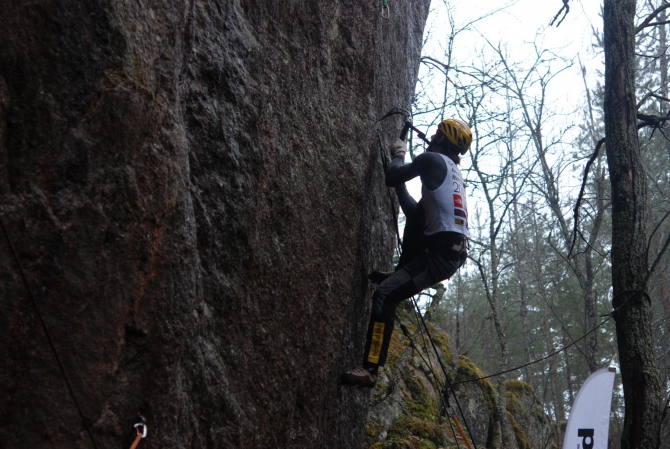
(399, 148)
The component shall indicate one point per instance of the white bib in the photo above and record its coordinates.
(446, 207)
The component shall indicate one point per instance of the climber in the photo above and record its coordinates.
(443, 244)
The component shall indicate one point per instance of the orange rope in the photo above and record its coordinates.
(458, 426)
(137, 441)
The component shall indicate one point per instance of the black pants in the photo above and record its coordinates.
(413, 238)
(428, 268)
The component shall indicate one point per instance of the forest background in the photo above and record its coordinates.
(533, 94)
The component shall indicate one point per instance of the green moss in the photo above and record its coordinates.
(415, 433)
(468, 370)
(519, 434)
(397, 346)
(419, 400)
(409, 443)
(519, 387)
(515, 390)
(372, 432)
(493, 435)
(539, 416)
(441, 340)
(420, 426)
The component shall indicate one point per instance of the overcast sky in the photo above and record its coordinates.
(515, 26)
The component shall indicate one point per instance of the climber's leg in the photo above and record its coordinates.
(403, 284)
(417, 275)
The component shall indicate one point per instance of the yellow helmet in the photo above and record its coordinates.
(457, 132)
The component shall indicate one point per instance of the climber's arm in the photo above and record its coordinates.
(430, 166)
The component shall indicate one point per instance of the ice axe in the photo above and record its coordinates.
(407, 127)
(408, 124)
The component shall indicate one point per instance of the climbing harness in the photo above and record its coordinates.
(385, 10)
(46, 332)
(141, 430)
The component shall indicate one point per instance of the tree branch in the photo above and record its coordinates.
(581, 193)
(651, 120)
(665, 22)
(651, 95)
(646, 22)
(567, 10)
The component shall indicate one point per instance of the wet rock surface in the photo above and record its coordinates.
(196, 194)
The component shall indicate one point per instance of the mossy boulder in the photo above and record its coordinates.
(415, 432)
(477, 400)
(531, 427)
(407, 410)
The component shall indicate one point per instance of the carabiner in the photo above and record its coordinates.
(385, 8)
(144, 429)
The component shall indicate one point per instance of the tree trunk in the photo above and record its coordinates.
(518, 251)
(557, 396)
(663, 60)
(590, 297)
(629, 212)
(500, 413)
(568, 371)
(440, 290)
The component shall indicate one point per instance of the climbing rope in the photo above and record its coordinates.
(444, 370)
(385, 164)
(460, 429)
(385, 161)
(46, 332)
(566, 347)
(438, 385)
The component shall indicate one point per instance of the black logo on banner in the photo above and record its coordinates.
(586, 433)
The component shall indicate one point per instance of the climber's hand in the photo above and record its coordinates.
(399, 148)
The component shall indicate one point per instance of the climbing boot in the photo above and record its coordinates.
(361, 377)
(379, 276)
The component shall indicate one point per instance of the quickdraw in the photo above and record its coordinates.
(141, 430)
(386, 14)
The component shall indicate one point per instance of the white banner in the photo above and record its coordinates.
(589, 422)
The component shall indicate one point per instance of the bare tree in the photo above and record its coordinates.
(642, 389)
(521, 84)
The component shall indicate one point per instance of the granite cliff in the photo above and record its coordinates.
(195, 193)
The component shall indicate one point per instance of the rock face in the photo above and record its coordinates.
(408, 409)
(195, 192)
